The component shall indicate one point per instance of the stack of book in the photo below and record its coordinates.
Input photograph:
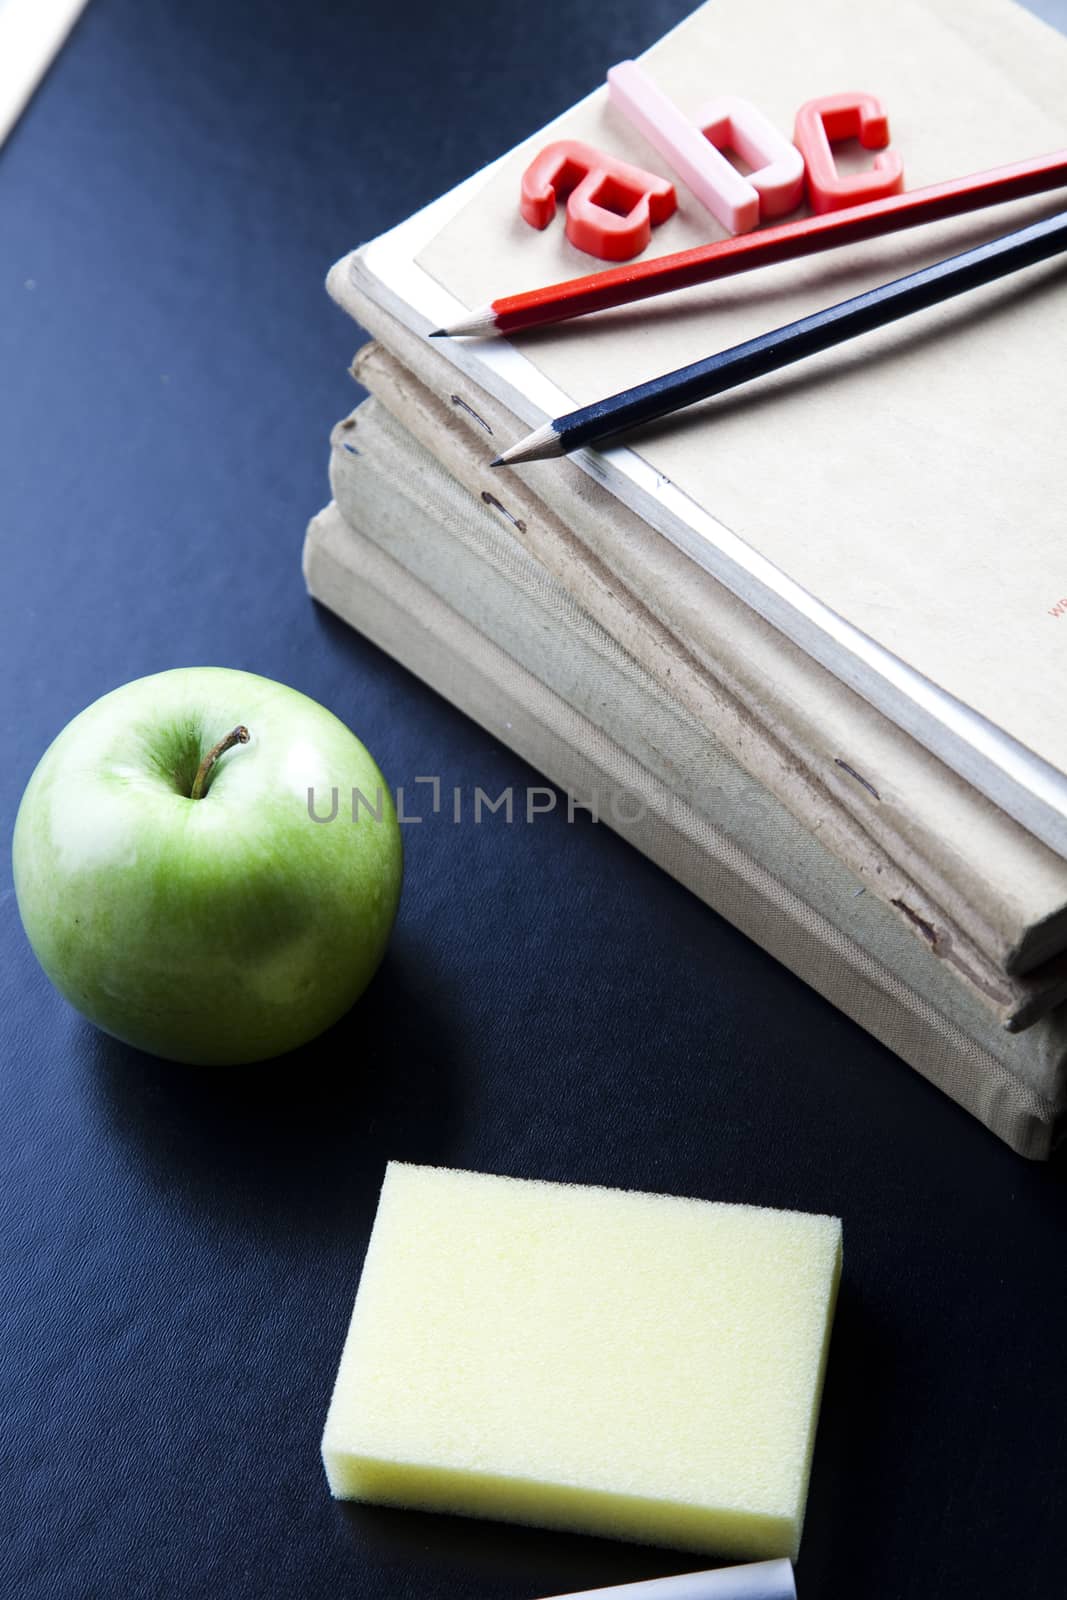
(800, 649)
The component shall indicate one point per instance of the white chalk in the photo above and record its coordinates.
(755, 1580)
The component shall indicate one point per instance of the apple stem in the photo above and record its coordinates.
(239, 735)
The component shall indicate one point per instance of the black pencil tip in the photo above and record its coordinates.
(439, 333)
(499, 462)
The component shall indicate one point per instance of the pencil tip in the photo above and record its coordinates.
(499, 462)
(479, 322)
(537, 446)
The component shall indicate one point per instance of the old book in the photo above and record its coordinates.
(1004, 888)
(728, 840)
(786, 770)
(372, 437)
(892, 506)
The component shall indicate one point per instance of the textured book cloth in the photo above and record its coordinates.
(398, 495)
(874, 503)
(733, 844)
(606, 576)
(994, 880)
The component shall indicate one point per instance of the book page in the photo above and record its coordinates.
(913, 479)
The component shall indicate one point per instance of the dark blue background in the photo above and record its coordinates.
(181, 1248)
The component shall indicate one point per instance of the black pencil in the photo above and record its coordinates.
(756, 357)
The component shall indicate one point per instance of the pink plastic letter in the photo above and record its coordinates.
(846, 116)
(716, 184)
(611, 206)
(732, 123)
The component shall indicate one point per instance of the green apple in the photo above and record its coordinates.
(208, 865)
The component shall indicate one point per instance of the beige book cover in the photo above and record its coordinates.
(1017, 1003)
(995, 881)
(908, 484)
(416, 472)
(1013, 1083)
(456, 547)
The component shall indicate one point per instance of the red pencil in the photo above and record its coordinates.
(637, 281)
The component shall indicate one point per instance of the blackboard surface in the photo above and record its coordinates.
(180, 1248)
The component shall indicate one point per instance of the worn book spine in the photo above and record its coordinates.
(356, 579)
(399, 496)
(1016, 1002)
(995, 883)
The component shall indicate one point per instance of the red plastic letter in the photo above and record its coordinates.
(611, 206)
(846, 116)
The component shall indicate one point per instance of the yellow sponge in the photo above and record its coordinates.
(625, 1364)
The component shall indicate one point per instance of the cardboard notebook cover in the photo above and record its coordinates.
(397, 493)
(893, 505)
(354, 577)
(1005, 889)
(1015, 1002)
